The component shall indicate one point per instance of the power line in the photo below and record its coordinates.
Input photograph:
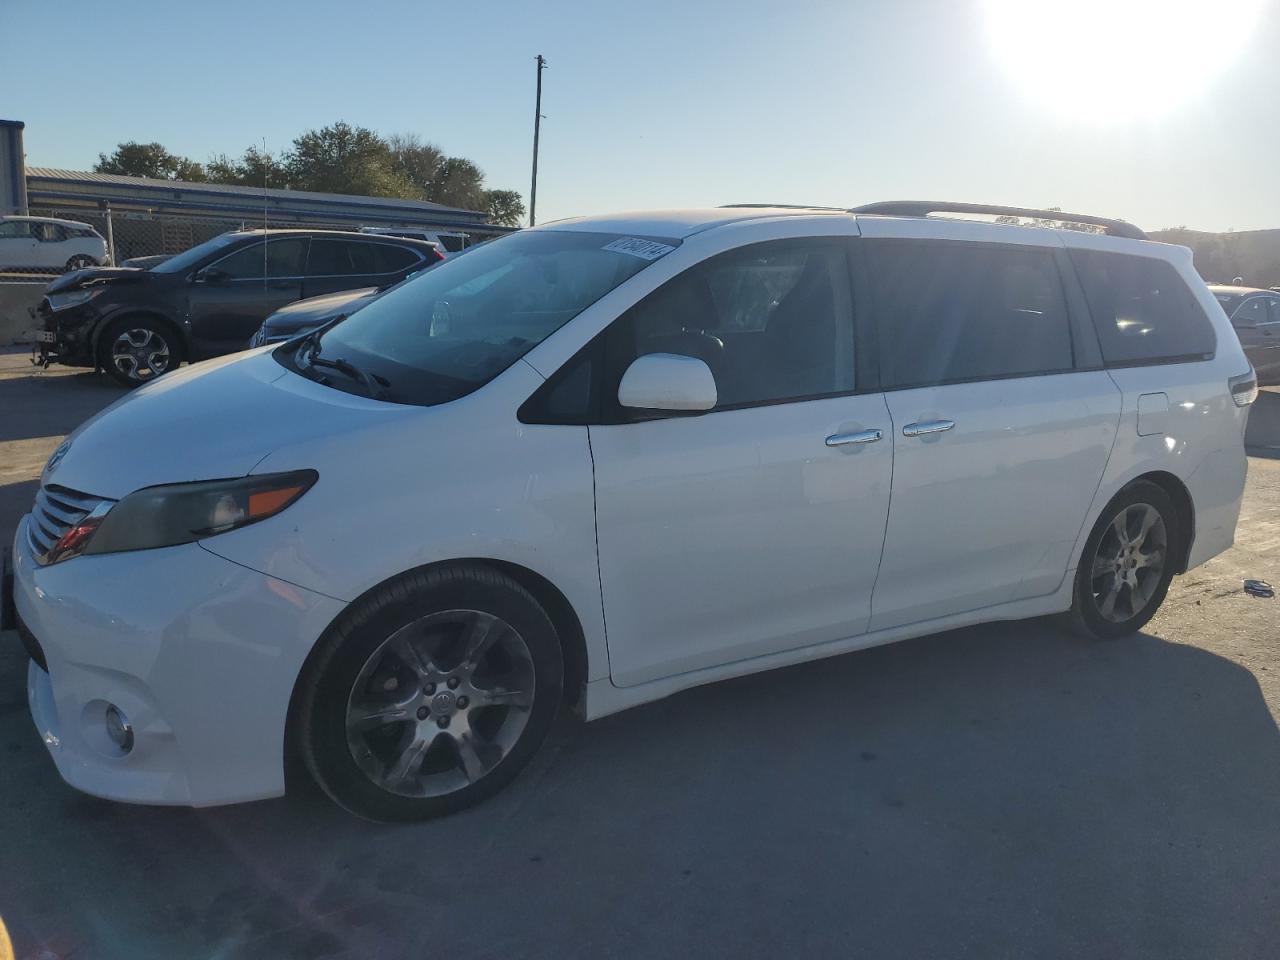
(537, 126)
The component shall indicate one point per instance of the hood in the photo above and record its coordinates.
(208, 421)
(80, 278)
(315, 310)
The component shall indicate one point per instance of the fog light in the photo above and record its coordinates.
(118, 728)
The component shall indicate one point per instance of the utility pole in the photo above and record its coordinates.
(537, 125)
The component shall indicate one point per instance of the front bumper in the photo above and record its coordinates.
(200, 654)
(70, 332)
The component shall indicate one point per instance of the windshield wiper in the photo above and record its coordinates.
(308, 351)
(373, 383)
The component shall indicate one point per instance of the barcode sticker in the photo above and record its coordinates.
(635, 247)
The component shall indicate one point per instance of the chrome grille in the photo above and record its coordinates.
(56, 511)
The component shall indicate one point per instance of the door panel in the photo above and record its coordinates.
(739, 533)
(226, 312)
(988, 511)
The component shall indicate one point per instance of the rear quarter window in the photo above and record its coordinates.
(1142, 309)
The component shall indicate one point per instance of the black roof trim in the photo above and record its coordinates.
(922, 208)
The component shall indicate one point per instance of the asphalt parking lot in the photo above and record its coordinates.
(998, 791)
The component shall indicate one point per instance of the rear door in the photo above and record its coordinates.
(229, 298)
(756, 527)
(340, 264)
(1002, 418)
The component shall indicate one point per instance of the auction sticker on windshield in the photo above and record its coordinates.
(644, 249)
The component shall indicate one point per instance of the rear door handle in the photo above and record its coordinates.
(858, 436)
(927, 426)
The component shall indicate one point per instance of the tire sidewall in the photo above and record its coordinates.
(322, 716)
(1085, 608)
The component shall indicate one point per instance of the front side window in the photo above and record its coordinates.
(15, 230)
(1142, 309)
(189, 258)
(1250, 313)
(951, 311)
(448, 330)
(278, 258)
(773, 321)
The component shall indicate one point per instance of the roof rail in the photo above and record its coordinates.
(779, 206)
(922, 208)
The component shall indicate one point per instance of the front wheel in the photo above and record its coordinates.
(136, 350)
(1127, 564)
(429, 694)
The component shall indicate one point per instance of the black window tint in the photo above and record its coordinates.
(949, 311)
(11, 229)
(1250, 313)
(1275, 310)
(280, 258)
(389, 259)
(338, 258)
(1142, 308)
(772, 321)
(45, 232)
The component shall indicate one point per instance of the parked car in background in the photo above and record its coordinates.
(299, 317)
(1255, 316)
(49, 245)
(304, 315)
(610, 458)
(145, 263)
(449, 241)
(209, 300)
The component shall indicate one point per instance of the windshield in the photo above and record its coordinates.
(442, 334)
(189, 258)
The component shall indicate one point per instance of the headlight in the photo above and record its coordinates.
(182, 512)
(61, 301)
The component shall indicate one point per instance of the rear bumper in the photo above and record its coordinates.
(199, 653)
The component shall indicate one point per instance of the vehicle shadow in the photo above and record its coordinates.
(40, 403)
(1004, 790)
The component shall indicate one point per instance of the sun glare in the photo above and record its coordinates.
(1111, 61)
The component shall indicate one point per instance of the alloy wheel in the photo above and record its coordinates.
(1129, 563)
(440, 703)
(140, 354)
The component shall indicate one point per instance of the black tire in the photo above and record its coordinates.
(155, 339)
(80, 262)
(1133, 606)
(338, 673)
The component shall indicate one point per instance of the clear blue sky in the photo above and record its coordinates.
(656, 103)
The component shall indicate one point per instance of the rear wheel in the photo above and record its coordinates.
(1127, 564)
(430, 695)
(80, 262)
(135, 350)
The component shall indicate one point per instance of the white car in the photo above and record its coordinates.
(44, 243)
(607, 459)
(446, 241)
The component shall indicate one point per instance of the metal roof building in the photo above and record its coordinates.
(72, 192)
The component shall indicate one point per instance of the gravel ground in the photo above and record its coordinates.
(997, 791)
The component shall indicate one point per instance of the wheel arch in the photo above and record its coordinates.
(129, 312)
(1182, 502)
(563, 617)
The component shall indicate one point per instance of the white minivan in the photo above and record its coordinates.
(611, 458)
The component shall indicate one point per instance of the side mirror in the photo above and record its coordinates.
(213, 275)
(668, 381)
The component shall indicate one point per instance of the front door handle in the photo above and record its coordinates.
(927, 426)
(858, 436)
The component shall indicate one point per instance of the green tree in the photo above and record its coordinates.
(504, 207)
(458, 183)
(133, 159)
(255, 168)
(415, 160)
(345, 159)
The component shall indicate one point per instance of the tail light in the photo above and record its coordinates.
(1244, 388)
